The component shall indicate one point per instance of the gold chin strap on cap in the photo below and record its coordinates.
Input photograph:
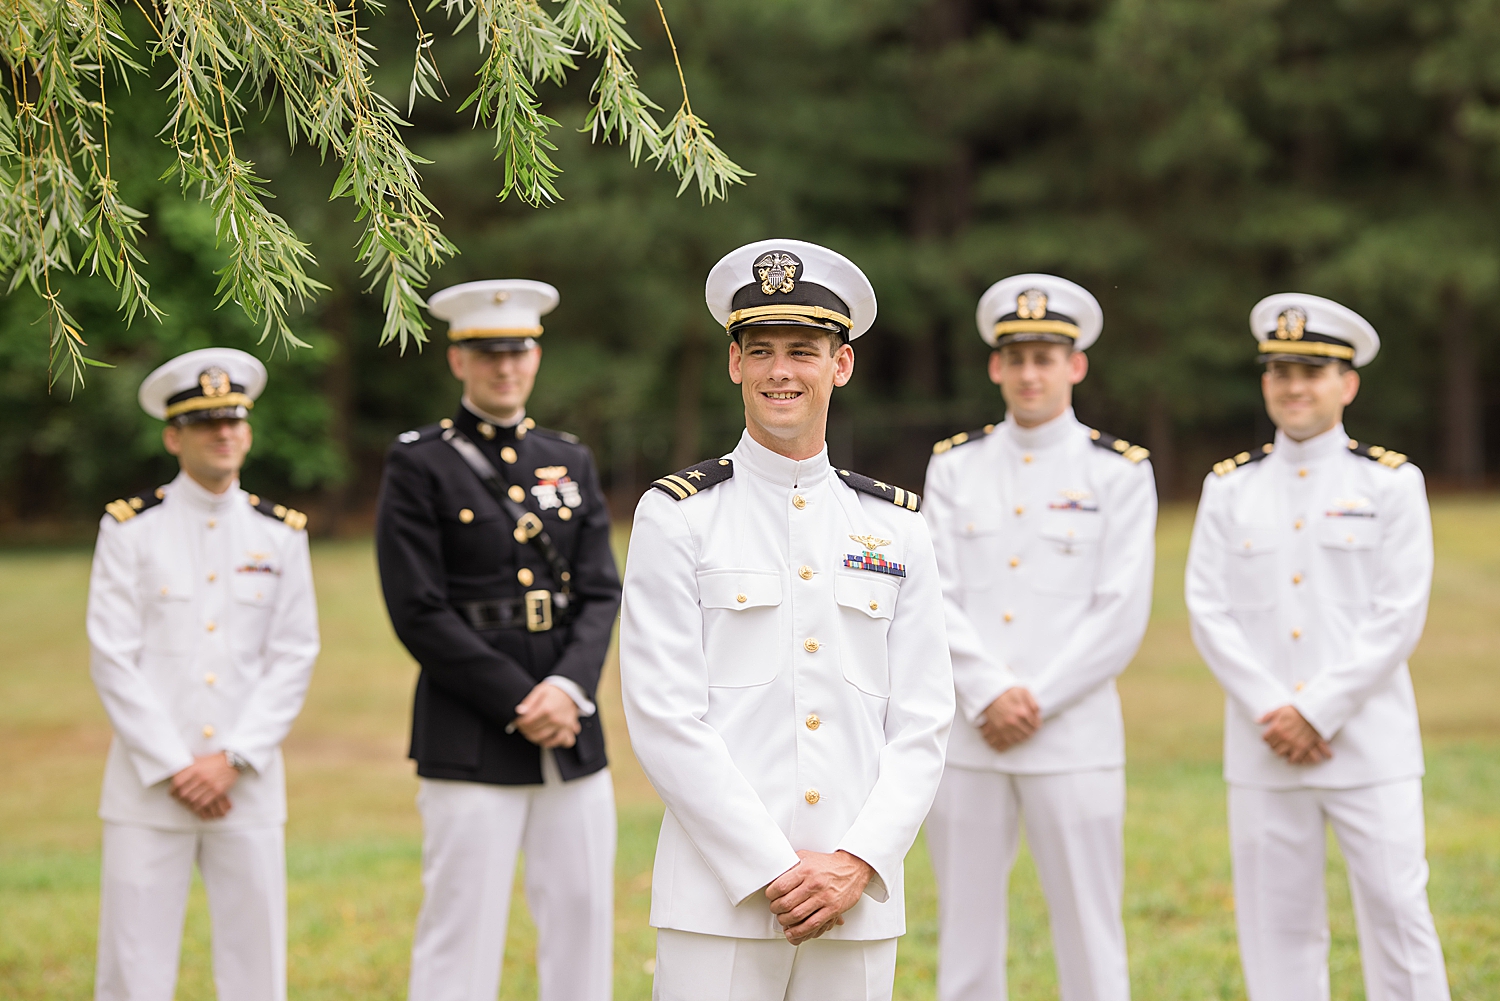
(1318, 348)
(209, 403)
(1037, 327)
(788, 313)
(481, 333)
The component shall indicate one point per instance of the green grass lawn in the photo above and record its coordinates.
(354, 837)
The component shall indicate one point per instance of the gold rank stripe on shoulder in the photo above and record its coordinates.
(128, 507)
(685, 482)
(948, 444)
(1227, 466)
(875, 488)
(1135, 453)
(1384, 456)
(291, 517)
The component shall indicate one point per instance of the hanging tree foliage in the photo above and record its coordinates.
(60, 207)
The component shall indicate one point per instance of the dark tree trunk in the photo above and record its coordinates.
(1463, 431)
(1161, 440)
(687, 425)
(338, 386)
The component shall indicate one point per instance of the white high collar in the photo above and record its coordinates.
(184, 488)
(777, 468)
(1053, 432)
(1318, 448)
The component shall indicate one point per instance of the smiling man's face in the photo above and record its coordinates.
(1306, 400)
(787, 376)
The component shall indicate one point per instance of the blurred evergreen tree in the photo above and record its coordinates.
(1180, 159)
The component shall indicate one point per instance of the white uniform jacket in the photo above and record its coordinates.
(1046, 544)
(1307, 584)
(203, 630)
(778, 699)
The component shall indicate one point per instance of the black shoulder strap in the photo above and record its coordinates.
(685, 482)
(1229, 465)
(124, 509)
(528, 524)
(1385, 456)
(875, 488)
(1109, 442)
(288, 516)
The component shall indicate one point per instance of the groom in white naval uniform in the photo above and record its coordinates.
(785, 675)
(202, 630)
(1045, 535)
(1307, 585)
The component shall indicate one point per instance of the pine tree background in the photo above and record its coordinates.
(1180, 159)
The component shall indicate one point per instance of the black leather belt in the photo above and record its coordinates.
(536, 612)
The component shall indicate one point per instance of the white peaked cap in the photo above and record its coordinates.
(1039, 308)
(502, 312)
(209, 383)
(813, 286)
(1295, 326)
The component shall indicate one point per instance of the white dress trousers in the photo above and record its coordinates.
(472, 833)
(1075, 829)
(693, 967)
(1045, 540)
(143, 897)
(1307, 585)
(1278, 843)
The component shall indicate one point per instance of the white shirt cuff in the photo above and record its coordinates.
(568, 685)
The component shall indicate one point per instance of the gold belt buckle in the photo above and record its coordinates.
(538, 611)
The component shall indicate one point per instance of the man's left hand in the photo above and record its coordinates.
(1290, 735)
(548, 716)
(201, 785)
(809, 898)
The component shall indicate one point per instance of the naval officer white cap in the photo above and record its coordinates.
(210, 384)
(503, 314)
(1038, 308)
(1297, 327)
(779, 283)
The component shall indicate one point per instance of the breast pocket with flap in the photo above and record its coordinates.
(1067, 559)
(1250, 572)
(866, 605)
(1349, 547)
(169, 625)
(742, 639)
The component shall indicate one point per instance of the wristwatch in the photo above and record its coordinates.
(237, 762)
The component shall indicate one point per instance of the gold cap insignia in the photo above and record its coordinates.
(1291, 324)
(1031, 305)
(214, 381)
(777, 271)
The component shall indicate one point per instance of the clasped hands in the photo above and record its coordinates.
(203, 786)
(810, 897)
(1291, 736)
(548, 716)
(1010, 719)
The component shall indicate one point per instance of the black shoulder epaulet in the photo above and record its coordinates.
(128, 507)
(571, 439)
(1134, 453)
(1229, 465)
(291, 517)
(685, 482)
(429, 431)
(1375, 453)
(896, 495)
(963, 436)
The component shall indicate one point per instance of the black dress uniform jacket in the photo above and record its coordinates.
(442, 540)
